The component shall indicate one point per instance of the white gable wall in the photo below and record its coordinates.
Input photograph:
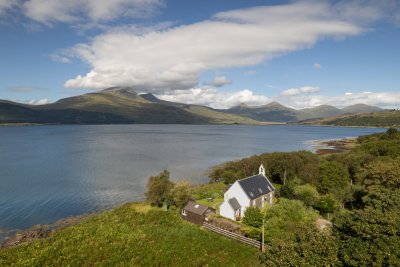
(227, 211)
(236, 191)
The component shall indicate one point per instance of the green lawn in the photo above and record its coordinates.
(132, 235)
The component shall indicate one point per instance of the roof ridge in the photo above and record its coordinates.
(252, 177)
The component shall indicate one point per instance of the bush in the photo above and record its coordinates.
(306, 193)
(326, 204)
(253, 217)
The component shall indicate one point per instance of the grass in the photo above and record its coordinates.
(132, 235)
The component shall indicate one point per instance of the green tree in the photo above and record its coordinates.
(158, 189)
(334, 177)
(326, 204)
(385, 172)
(253, 217)
(307, 246)
(180, 194)
(307, 193)
(286, 214)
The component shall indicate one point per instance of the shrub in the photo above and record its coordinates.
(253, 217)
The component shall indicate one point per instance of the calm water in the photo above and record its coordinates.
(50, 172)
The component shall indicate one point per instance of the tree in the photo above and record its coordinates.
(253, 217)
(307, 193)
(180, 194)
(307, 246)
(285, 215)
(326, 204)
(334, 177)
(158, 189)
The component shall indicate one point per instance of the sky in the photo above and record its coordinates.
(220, 54)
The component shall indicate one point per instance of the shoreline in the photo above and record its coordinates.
(41, 231)
(333, 146)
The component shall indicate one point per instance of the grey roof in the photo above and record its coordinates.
(195, 208)
(234, 203)
(256, 186)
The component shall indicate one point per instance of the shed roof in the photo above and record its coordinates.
(234, 203)
(256, 186)
(195, 208)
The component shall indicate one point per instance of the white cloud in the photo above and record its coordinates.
(300, 90)
(43, 101)
(317, 66)
(174, 58)
(7, 4)
(212, 98)
(220, 81)
(80, 11)
(58, 57)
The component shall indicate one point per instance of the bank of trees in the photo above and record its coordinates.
(359, 191)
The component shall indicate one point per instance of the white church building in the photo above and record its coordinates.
(253, 191)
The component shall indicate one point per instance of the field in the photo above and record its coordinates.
(132, 235)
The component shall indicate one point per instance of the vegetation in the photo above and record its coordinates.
(132, 235)
(159, 189)
(253, 217)
(115, 105)
(358, 190)
(390, 118)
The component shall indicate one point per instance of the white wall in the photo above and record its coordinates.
(226, 211)
(236, 191)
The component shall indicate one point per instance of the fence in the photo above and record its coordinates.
(237, 237)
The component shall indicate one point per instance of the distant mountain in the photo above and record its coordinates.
(318, 112)
(386, 118)
(359, 108)
(275, 111)
(270, 112)
(124, 105)
(116, 105)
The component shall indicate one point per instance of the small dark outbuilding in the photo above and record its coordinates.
(196, 213)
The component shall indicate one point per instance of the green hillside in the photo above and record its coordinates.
(389, 118)
(279, 113)
(116, 105)
(132, 235)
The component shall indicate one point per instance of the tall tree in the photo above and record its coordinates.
(158, 189)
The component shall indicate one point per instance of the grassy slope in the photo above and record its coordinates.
(132, 235)
(115, 107)
(375, 119)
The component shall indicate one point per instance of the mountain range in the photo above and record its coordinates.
(123, 105)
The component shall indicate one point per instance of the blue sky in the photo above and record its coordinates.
(215, 53)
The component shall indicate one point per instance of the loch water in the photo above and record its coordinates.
(51, 172)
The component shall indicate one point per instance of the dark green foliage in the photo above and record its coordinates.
(360, 190)
(326, 204)
(282, 217)
(158, 189)
(389, 118)
(334, 177)
(392, 131)
(124, 237)
(180, 194)
(280, 167)
(306, 193)
(252, 232)
(253, 217)
(307, 246)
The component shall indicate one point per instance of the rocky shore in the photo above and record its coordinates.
(333, 146)
(41, 231)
